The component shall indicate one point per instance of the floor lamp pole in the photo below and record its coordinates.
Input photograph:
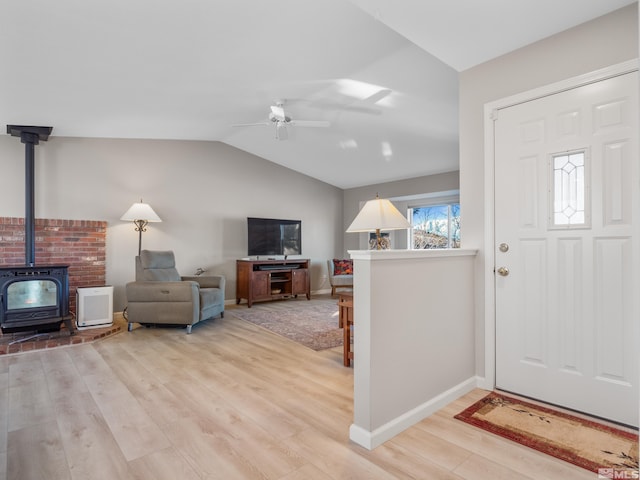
(140, 227)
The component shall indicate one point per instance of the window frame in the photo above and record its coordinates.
(448, 201)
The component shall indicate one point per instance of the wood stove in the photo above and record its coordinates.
(33, 297)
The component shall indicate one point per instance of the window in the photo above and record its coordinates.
(435, 226)
(570, 190)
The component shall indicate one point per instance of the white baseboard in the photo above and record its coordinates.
(483, 383)
(321, 291)
(371, 440)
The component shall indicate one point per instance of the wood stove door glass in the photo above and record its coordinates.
(32, 294)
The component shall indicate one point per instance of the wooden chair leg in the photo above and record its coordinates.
(346, 319)
(346, 341)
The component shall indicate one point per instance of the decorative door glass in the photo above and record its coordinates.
(569, 190)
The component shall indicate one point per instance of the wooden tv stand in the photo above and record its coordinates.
(259, 280)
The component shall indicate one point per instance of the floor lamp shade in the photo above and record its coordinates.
(141, 214)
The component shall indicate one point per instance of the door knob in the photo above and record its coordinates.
(504, 271)
(503, 247)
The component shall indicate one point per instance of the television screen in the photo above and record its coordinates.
(269, 236)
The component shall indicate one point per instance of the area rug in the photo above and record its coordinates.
(584, 443)
(312, 323)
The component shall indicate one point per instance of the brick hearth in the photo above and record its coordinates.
(80, 244)
(30, 341)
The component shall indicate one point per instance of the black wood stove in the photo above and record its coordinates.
(33, 297)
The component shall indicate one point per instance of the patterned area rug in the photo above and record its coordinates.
(593, 446)
(312, 323)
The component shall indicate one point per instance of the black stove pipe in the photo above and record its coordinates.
(29, 215)
(30, 136)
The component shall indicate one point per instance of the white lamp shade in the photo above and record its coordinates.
(140, 211)
(378, 214)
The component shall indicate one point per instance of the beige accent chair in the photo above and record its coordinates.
(338, 281)
(161, 296)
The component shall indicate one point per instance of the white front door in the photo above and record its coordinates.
(567, 190)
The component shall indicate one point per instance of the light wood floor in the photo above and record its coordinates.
(229, 401)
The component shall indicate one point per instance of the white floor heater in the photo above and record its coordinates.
(94, 306)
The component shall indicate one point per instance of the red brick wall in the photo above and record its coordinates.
(80, 244)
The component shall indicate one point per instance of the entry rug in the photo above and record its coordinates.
(593, 446)
(312, 323)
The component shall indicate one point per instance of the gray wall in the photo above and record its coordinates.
(605, 41)
(203, 192)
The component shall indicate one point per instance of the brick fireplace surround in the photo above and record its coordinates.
(80, 244)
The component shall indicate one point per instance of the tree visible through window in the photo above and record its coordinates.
(436, 226)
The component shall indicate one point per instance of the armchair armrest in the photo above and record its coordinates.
(208, 281)
(163, 292)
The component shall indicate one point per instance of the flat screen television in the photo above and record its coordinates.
(270, 236)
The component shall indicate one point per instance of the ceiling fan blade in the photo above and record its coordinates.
(310, 123)
(251, 124)
(376, 97)
(347, 107)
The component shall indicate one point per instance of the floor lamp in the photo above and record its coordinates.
(140, 214)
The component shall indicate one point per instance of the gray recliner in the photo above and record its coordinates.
(161, 296)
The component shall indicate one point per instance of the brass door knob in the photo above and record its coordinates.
(503, 271)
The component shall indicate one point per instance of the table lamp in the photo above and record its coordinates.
(376, 215)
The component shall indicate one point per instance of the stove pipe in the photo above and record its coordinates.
(30, 136)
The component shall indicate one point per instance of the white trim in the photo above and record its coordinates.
(426, 196)
(371, 440)
(322, 291)
(561, 86)
(381, 255)
(491, 113)
(483, 384)
(435, 201)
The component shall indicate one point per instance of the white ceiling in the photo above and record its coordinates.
(164, 69)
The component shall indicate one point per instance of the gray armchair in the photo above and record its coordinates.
(161, 296)
(338, 279)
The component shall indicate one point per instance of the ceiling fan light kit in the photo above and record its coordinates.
(281, 120)
(281, 131)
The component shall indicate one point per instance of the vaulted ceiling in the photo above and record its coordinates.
(382, 74)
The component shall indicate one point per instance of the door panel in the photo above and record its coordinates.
(299, 281)
(567, 189)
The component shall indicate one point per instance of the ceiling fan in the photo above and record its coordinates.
(281, 120)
